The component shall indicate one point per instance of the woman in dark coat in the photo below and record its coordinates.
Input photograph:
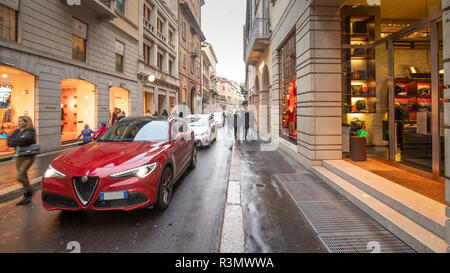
(24, 136)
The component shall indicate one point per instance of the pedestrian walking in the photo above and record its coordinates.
(114, 116)
(121, 116)
(148, 113)
(155, 114)
(164, 113)
(24, 140)
(246, 125)
(237, 124)
(86, 133)
(100, 131)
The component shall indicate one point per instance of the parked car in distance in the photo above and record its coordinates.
(218, 118)
(204, 127)
(134, 164)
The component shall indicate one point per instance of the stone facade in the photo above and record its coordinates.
(164, 90)
(318, 50)
(44, 49)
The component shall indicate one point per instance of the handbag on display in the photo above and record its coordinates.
(361, 105)
(424, 92)
(360, 27)
(32, 149)
(400, 90)
(359, 75)
(357, 90)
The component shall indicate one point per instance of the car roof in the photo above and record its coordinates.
(168, 119)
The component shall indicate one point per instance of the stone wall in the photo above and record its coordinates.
(446, 23)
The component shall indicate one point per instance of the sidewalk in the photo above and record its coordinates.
(289, 209)
(11, 189)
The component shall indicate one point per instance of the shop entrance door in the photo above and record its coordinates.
(415, 97)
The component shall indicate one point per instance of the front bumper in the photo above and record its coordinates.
(201, 140)
(60, 194)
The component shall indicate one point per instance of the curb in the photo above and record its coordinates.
(13, 192)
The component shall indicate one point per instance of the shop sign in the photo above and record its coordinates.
(14, 4)
(79, 28)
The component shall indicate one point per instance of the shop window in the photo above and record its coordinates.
(16, 99)
(288, 91)
(8, 23)
(77, 108)
(119, 52)
(79, 36)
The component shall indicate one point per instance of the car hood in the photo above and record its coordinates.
(199, 129)
(110, 155)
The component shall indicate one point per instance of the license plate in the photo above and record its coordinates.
(105, 196)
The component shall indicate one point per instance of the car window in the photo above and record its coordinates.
(176, 128)
(137, 131)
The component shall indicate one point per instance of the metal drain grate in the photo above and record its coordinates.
(382, 242)
(338, 217)
(297, 178)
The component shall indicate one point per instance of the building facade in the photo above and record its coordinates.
(230, 96)
(190, 39)
(209, 87)
(158, 56)
(65, 65)
(258, 60)
(342, 67)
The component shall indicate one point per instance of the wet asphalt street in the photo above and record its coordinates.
(192, 223)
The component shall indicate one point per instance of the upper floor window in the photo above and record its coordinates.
(119, 50)
(160, 61)
(147, 53)
(8, 23)
(120, 6)
(147, 12)
(184, 32)
(79, 38)
(160, 25)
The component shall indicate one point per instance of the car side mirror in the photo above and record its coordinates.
(179, 136)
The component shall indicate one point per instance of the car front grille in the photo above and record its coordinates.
(132, 200)
(85, 189)
(59, 201)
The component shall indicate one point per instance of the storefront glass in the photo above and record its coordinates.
(119, 98)
(77, 108)
(288, 91)
(388, 69)
(16, 99)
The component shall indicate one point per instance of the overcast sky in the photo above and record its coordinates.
(222, 24)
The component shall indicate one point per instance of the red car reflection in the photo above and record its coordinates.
(133, 165)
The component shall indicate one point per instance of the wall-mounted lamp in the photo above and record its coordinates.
(151, 78)
(25, 92)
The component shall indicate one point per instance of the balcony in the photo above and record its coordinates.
(195, 50)
(103, 9)
(148, 26)
(257, 42)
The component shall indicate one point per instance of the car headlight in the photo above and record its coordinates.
(52, 172)
(140, 172)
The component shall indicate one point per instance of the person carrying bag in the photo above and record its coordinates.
(24, 140)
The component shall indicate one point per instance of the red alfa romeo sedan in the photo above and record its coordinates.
(134, 164)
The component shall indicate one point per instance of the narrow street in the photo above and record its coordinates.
(191, 224)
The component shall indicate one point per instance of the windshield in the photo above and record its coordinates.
(198, 121)
(137, 131)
